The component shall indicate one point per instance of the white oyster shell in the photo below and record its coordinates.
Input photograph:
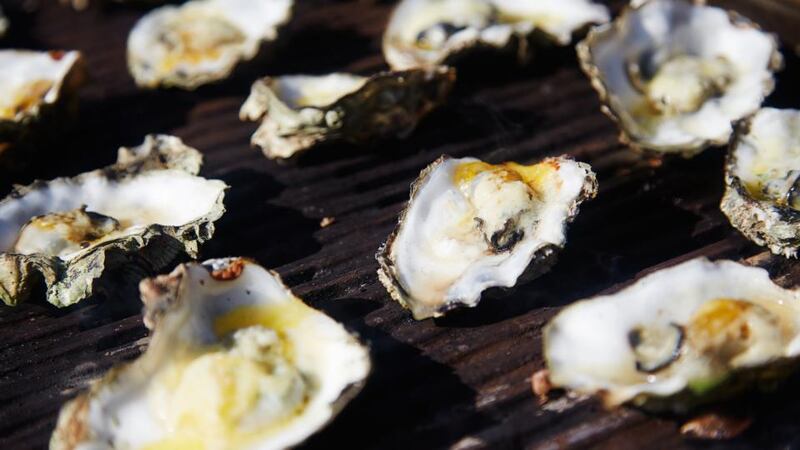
(68, 231)
(201, 41)
(427, 33)
(762, 191)
(32, 80)
(235, 361)
(675, 74)
(676, 338)
(470, 226)
(298, 112)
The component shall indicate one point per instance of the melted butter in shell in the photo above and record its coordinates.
(231, 395)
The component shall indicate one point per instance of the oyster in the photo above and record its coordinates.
(470, 226)
(235, 361)
(677, 338)
(201, 41)
(675, 74)
(147, 208)
(762, 190)
(36, 88)
(300, 111)
(427, 33)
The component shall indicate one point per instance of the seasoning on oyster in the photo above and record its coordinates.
(235, 361)
(38, 93)
(675, 74)
(762, 187)
(677, 338)
(470, 225)
(201, 41)
(140, 213)
(427, 33)
(300, 111)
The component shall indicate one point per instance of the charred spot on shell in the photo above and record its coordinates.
(541, 385)
(76, 430)
(715, 426)
(505, 239)
(230, 271)
(158, 294)
(656, 348)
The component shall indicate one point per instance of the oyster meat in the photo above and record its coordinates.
(36, 88)
(675, 74)
(470, 225)
(201, 41)
(235, 361)
(677, 338)
(300, 111)
(762, 190)
(138, 214)
(427, 33)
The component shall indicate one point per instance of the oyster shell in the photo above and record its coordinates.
(679, 337)
(427, 33)
(235, 361)
(470, 226)
(36, 88)
(761, 180)
(300, 111)
(147, 208)
(675, 74)
(201, 41)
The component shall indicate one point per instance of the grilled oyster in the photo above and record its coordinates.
(300, 111)
(761, 180)
(146, 209)
(427, 33)
(677, 338)
(235, 361)
(470, 226)
(675, 74)
(36, 89)
(201, 41)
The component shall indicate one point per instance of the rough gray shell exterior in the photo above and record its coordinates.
(765, 223)
(388, 104)
(151, 249)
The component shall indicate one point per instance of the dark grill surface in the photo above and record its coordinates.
(459, 382)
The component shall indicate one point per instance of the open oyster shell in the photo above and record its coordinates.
(201, 41)
(675, 74)
(300, 111)
(38, 93)
(470, 226)
(762, 191)
(235, 361)
(677, 338)
(427, 33)
(140, 213)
